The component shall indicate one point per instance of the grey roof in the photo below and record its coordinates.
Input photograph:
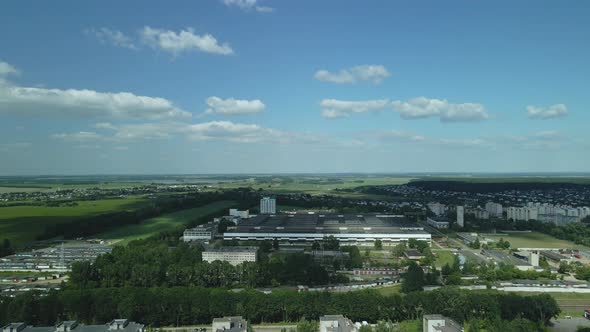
(328, 224)
(124, 326)
(232, 249)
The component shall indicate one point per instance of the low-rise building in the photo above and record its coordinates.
(336, 323)
(438, 222)
(440, 323)
(122, 325)
(232, 255)
(230, 324)
(413, 254)
(205, 232)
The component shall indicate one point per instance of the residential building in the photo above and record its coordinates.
(438, 222)
(239, 214)
(122, 325)
(230, 324)
(268, 205)
(494, 209)
(437, 208)
(232, 255)
(440, 323)
(336, 323)
(522, 213)
(460, 216)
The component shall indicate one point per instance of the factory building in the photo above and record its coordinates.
(204, 232)
(349, 229)
(438, 222)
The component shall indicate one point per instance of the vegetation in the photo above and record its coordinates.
(193, 305)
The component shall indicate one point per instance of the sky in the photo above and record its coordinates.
(277, 86)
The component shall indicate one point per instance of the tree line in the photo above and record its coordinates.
(161, 306)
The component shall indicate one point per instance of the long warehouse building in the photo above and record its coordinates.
(350, 229)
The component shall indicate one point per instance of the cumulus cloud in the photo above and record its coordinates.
(182, 41)
(370, 73)
(554, 111)
(28, 101)
(333, 108)
(114, 37)
(7, 69)
(423, 107)
(233, 106)
(248, 5)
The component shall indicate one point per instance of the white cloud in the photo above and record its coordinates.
(7, 69)
(184, 40)
(371, 73)
(423, 107)
(5, 147)
(333, 108)
(115, 37)
(233, 106)
(235, 132)
(28, 101)
(105, 125)
(248, 5)
(82, 136)
(397, 135)
(554, 111)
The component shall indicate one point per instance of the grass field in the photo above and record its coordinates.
(444, 257)
(534, 240)
(165, 222)
(22, 224)
(314, 185)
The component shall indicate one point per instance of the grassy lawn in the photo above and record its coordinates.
(165, 222)
(444, 257)
(22, 224)
(389, 290)
(535, 240)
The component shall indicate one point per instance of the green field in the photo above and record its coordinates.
(534, 240)
(314, 185)
(165, 222)
(444, 257)
(22, 224)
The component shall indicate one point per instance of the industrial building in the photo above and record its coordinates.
(349, 229)
(232, 255)
(123, 325)
(440, 323)
(268, 205)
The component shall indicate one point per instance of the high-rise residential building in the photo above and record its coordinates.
(460, 216)
(268, 205)
(494, 209)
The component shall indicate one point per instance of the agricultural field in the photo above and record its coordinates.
(22, 224)
(534, 240)
(316, 185)
(149, 227)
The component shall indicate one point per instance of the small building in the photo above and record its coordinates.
(467, 238)
(438, 222)
(232, 255)
(230, 324)
(440, 323)
(413, 254)
(205, 232)
(554, 256)
(336, 323)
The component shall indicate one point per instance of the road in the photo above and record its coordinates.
(569, 325)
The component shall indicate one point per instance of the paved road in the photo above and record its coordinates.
(569, 325)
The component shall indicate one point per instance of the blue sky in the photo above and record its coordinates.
(259, 86)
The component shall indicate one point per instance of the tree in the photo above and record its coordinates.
(378, 245)
(413, 279)
(366, 328)
(308, 326)
(399, 249)
(331, 243)
(316, 245)
(6, 249)
(275, 244)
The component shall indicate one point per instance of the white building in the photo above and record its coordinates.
(522, 213)
(204, 232)
(268, 205)
(232, 255)
(239, 214)
(439, 323)
(494, 209)
(440, 223)
(437, 208)
(481, 214)
(230, 324)
(336, 323)
(460, 216)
